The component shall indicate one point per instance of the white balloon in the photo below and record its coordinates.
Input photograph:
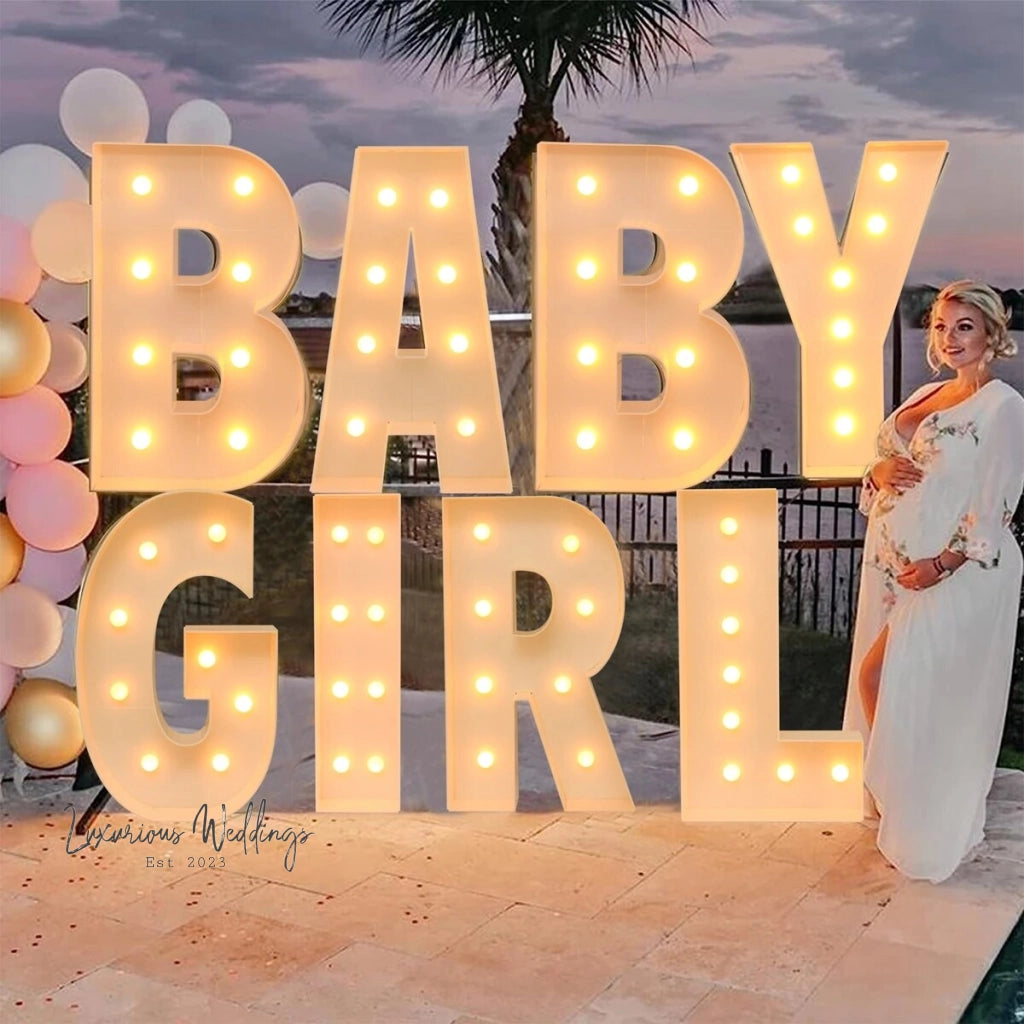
(102, 105)
(199, 122)
(62, 241)
(59, 301)
(33, 176)
(322, 209)
(69, 357)
(62, 665)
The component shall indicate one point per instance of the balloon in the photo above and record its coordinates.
(102, 105)
(43, 724)
(62, 240)
(8, 677)
(6, 469)
(24, 348)
(12, 551)
(51, 505)
(19, 272)
(33, 176)
(322, 209)
(30, 625)
(69, 357)
(59, 301)
(199, 122)
(58, 574)
(62, 665)
(35, 426)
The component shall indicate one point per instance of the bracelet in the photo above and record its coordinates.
(940, 568)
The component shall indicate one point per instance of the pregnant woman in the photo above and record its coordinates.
(940, 591)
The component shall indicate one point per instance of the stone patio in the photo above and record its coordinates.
(434, 918)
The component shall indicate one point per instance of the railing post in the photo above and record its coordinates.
(897, 358)
(766, 462)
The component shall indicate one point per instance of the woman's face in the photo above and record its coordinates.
(959, 334)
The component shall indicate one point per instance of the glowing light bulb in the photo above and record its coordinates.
(686, 272)
(585, 759)
(147, 550)
(439, 199)
(844, 425)
(387, 197)
(244, 185)
(729, 574)
(366, 344)
(375, 613)
(570, 543)
(803, 225)
(586, 185)
(841, 328)
(376, 274)
(483, 608)
(339, 689)
(887, 172)
(243, 703)
(221, 762)
(339, 534)
(731, 772)
(217, 533)
(482, 531)
(843, 377)
(730, 625)
(150, 762)
(446, 274)
(119, 691)
(683, 440)
(731, 720)
(485, 759)
(586, 439)
(142, 186)
(241, 272)
(238, 439)
(563, 684)
(876, 224)
(840, 772)
(587, 355)
(688, 185)
(685, 358)
(141, 269)
(119, 618)
(240, 358)
(141, 439)
(791, 174)
(785, 772)
(484, 684)
(585, 607)
(731, 674)
(142, 355)
(376, 689)
(375, 764)
(466, 427)
(341, 764)
(458, 343)
(586, 269)
(375, 535)
(339, 613)
(729, 526)
(206, 658)
(356, 427)
(841, 277)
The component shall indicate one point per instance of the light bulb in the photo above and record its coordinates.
(341, 764)
(790, 174)
(785, 772)
(141, 269)
(686, 272)
(841, 328)
(570, 543)
(119, 618)
(366, 344)
(586, 439)
(142, 186)
(803, 225)
(439, 199)
(585, 607)
(458, 343)
(376, 274)
(375, 613)
(844, 425)
(207, 658)
(484, 684)
(150, 762)
(841, 277)
(485, 759)
(482, 531)
(446, 274)
(585, 759)
(586, 185)
(244, 185)
(243, 703)
(563, 684)
(141, 439)
(887, 172)
(356, 427)
(840, 772)
(683, 440)
(586, 269)
(729, 574)
(466, 427)
(483, 608)
(375, 535)
(240, 358)
(688, 185)
(221, 762)
(876, 224)
(375, 764)
(217, 533)
(147, 550)
(339, 689)
(731, 674)
(685, 358)
(731, 772)
(142, 355)
(731, 720)
(241, 272)
(729, 526)
(587, 355)
(387, 197)
(339, 613)
(376, 689)
(730, 625)
(239, 440)
(119, 691)
(843, 377)
(339, 534)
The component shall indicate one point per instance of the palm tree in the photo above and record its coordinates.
(545, 45)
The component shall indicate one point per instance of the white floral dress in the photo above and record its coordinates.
(930, 758)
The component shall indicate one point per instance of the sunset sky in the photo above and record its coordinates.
(836, 74)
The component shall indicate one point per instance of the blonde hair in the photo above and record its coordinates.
(993, 312)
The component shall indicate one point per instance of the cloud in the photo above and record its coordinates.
(809, 114)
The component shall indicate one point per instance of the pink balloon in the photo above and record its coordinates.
(50, 506)
(6, 469)
(35, 426)
(69, 357)
(30, 625)
(8, 677)
(57, 574)
(20, 274)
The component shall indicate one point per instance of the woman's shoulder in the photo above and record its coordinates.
(1003, 395)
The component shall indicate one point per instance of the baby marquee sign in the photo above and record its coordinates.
(735, 763)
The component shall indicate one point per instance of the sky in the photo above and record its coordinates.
(837, 74)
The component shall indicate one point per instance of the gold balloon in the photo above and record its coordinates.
(12, 551)
(43, 725)
(24, 348)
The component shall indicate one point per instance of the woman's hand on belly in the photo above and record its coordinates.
(896, 474)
